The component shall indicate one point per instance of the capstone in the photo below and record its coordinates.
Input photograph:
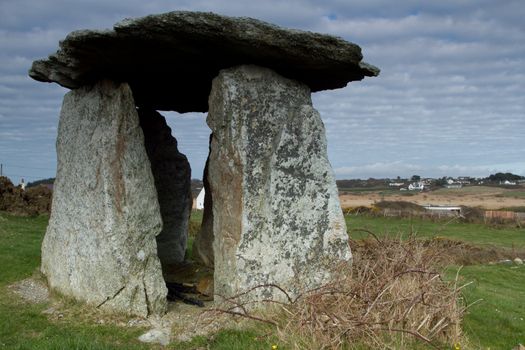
(170, 59)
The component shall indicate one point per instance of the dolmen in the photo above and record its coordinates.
(122, 198)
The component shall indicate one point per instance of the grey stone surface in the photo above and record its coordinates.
(179, 53)
(155, 336)
(276, 212)
(100, 242)
(172, 174)
(203, 243)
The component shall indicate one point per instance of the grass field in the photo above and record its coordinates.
(496, 322)
(23, 326)
(479, 234)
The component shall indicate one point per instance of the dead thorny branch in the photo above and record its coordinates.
(393, 287)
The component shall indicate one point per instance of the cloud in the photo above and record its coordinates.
(449, 97)
(406, 170)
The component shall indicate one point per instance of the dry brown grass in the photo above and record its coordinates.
(393, 293)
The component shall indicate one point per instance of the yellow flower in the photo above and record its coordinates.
(457, 346)
(274, 347)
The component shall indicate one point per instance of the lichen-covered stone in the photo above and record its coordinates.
(172, 174)
(100, 243)
(179, 53)
(276, 212)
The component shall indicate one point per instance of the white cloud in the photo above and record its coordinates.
(450, 94)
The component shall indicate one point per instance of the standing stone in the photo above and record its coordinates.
(276, 212)
(203, 243)
(172, 174)
(100, 243)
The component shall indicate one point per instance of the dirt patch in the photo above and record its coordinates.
(182, 322)
(31, 290)
(483, 197)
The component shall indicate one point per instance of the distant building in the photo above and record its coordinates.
(507, 182)
(199, 201)
(396, 184)
(465, 180)
(416, 186)
(443, 209)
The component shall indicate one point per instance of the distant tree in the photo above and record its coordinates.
(49, 181)
(442, 181)
(415, 178)
(505, 176)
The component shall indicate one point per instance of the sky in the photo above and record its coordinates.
(450, 99)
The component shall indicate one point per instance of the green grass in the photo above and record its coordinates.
(20, 240)
(497, 320)
(519, 209)
(23, 326)
(196, 216)
(514, 194)
(479, 234)
(469, 190)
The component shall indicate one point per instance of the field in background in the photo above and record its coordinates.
(478, 234)
(496, 322)
(486, 197)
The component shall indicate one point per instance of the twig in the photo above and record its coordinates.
(235, 313)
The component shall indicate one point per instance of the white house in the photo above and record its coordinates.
(199, 202)
(416, 186)
(507, 182)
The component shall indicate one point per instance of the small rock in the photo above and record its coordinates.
(518, 261)
(49, 311)
(136, 322)
(205, 286)
(155, 336)
(31, 290)
(505, 262)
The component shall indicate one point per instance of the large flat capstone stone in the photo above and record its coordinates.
(100, 242)
(179, 53)
(276, 212)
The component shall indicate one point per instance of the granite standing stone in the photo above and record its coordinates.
(276, 212)
(100, 243)
(172, 174)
